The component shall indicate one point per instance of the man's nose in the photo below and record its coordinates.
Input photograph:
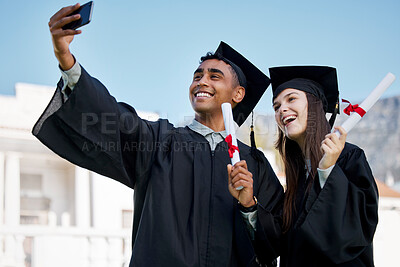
(203, 81)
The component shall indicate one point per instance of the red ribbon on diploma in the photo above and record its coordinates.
(353, 108)
(231, 147)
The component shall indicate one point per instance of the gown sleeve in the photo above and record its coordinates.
(341, 219)
(92, 130)
(269, 217)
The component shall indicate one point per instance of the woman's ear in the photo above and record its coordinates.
(238, 94)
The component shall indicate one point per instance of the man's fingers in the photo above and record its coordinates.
(243, 183)
(64, 17)
(240, 169)
(63, 12)
(234, 190)
(241, 176)
(241, 163)
(61, 33)
(64, 21)
(229, 169)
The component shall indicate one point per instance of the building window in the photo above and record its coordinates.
(127, 216)
(31, 185)
(34, 206)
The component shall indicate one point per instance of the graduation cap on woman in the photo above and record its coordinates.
(250, 77)
(321, 81)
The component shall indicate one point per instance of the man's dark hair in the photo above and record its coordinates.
(211, 55)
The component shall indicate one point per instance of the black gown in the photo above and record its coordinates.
(334, 226)
(184, 214)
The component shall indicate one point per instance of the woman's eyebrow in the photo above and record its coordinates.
(285, 96)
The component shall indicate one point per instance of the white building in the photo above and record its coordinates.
(387, 235)
(53, 213)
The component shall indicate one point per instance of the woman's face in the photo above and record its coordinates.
(291, 114)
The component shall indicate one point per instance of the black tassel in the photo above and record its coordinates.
(252, 138)
(257, 154)
(335, 112)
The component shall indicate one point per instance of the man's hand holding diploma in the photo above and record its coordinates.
(239, 176)
(240, 180)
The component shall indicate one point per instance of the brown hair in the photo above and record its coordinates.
(294, 159)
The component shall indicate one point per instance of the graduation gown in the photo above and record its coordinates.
(184, 214)
(335, 226)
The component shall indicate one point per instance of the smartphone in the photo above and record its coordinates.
(86, 15)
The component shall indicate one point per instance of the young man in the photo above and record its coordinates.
(185, 214)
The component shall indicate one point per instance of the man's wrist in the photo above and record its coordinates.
(66, 61)
(249, 207)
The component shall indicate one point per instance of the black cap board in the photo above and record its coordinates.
(250, 77)
(320, 81)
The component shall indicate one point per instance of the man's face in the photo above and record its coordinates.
(212, 85)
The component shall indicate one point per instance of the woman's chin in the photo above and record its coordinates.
(293, 136)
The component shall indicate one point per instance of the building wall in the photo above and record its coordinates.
(110, 199)
(387, 235)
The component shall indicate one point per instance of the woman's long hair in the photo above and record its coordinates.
(294, 159)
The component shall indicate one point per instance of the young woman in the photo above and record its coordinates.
(331, 201)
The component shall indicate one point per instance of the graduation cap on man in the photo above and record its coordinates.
(321, 81)
(250, 77)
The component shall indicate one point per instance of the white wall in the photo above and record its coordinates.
(387, 235)
(109, 199)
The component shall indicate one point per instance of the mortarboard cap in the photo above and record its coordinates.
(250, 77)
(320, 81)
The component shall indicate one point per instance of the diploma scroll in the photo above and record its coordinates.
(231, 132)
(355, 117)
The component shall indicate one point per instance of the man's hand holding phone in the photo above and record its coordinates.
(63, 35)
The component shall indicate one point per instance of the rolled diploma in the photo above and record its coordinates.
(368, 103)
(230, 130)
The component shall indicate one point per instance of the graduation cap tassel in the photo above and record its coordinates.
(253, 150)
(252, 137)
(335, 112)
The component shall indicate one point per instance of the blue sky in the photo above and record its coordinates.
(145, 52)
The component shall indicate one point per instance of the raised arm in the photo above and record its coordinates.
(62, 38)
(89, 127)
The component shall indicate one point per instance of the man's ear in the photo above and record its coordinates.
(238, 94)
